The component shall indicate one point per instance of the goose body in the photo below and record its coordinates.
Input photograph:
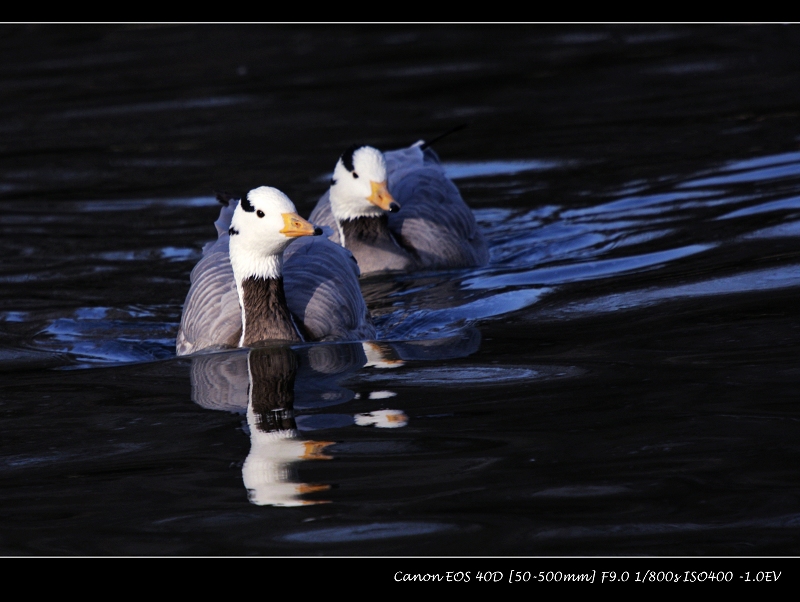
(398, 211)
(251, 284)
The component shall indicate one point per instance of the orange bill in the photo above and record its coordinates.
(294, 226)
(381, 197)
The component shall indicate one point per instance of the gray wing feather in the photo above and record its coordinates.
(322, 216)
(433, 219)
(322, 290)
(220, 381)
(211, 315)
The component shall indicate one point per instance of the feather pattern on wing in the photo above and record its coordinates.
(322, 291)
(211, 314)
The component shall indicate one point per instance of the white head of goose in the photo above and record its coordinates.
(359, 188)
(398, 211)
(263, 225)
(268, 277)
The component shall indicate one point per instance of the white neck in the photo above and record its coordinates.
(345, 209)
(247, 265)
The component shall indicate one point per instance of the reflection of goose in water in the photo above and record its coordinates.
(221, 381)
(252, 285)
(429, 225)
(263, 383)
(269, 383)
(275, 446)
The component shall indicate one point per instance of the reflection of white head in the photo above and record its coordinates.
(384, 419)
(267, 471)
(380, 356)
(359, 188)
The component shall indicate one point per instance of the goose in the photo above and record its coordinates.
(398, 211)
(271, 276)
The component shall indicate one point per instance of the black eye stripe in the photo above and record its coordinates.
(246, 205)
(347, 156)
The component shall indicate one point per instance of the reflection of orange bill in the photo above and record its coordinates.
(399, 417)
(295, 226)
(306, 488)
(314, 450)
(380, 356)
(382, 419)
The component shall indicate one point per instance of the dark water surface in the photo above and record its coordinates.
(621, 379)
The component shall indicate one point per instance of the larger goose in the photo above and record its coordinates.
(253, 285)
(398, 211)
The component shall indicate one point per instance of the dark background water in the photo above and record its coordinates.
(620, 380)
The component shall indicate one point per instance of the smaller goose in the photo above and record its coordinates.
(304, 291)
(399, 212)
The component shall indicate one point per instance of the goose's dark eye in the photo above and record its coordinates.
(260, 213)
(355, 175)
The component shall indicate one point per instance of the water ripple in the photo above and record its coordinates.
(589, 270)
(478, 169)
(758, 280)
(369, 532)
